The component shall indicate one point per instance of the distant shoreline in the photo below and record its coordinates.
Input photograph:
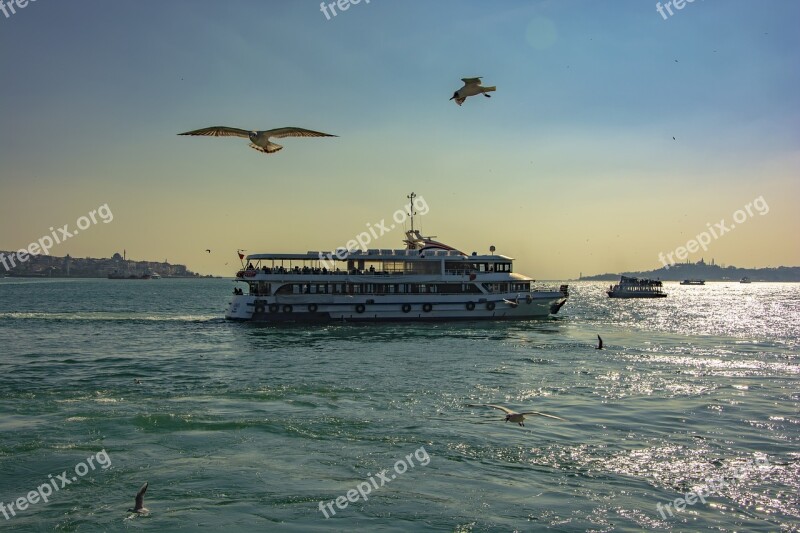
(707, 272)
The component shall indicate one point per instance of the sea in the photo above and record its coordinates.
(686, 420)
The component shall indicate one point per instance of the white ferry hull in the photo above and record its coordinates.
(612, 294)
(363, 309)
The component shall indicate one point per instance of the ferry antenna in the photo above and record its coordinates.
(411, 208)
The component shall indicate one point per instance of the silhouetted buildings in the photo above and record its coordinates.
(74, 267)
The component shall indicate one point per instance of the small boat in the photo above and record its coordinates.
(116, 274)
(636, 288)
(745, 280)
(693, 282)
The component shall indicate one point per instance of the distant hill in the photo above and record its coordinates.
(680, 272)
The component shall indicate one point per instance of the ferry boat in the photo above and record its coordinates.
(693, 282)
(425, 281)
(636, 288)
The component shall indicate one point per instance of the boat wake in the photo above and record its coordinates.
(110, 316)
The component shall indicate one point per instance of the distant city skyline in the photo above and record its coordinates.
(615, 136)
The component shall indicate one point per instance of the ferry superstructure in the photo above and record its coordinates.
(426, 281)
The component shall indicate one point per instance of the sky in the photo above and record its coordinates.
(570, 167)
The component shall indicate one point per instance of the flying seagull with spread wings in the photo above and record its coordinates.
(259, 140)
(513, 416)
(472, 87)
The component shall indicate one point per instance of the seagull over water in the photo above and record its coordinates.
(472, 87)
(513, 416)
(139, 507)
(259, 140)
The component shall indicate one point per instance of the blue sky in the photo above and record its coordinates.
(569, 167)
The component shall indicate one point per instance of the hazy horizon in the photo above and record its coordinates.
(570, 167)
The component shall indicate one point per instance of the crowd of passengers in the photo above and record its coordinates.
(310, 270)
(323, 270)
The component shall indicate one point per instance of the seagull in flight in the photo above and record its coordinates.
(259, 140)
(139, 507)
(514, 416)
(472, 87)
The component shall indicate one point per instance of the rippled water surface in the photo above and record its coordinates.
(249, 428)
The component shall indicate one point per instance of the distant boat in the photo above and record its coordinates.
(123, 275)
(115, 275)
(155, 275)
(745, 280)
(636, 288)
(693, 282)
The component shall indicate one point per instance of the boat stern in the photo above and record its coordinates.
(241, 307)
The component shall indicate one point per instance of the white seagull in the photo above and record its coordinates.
(259, 139)
(139, 507)
(514, 416)
(472, 87)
